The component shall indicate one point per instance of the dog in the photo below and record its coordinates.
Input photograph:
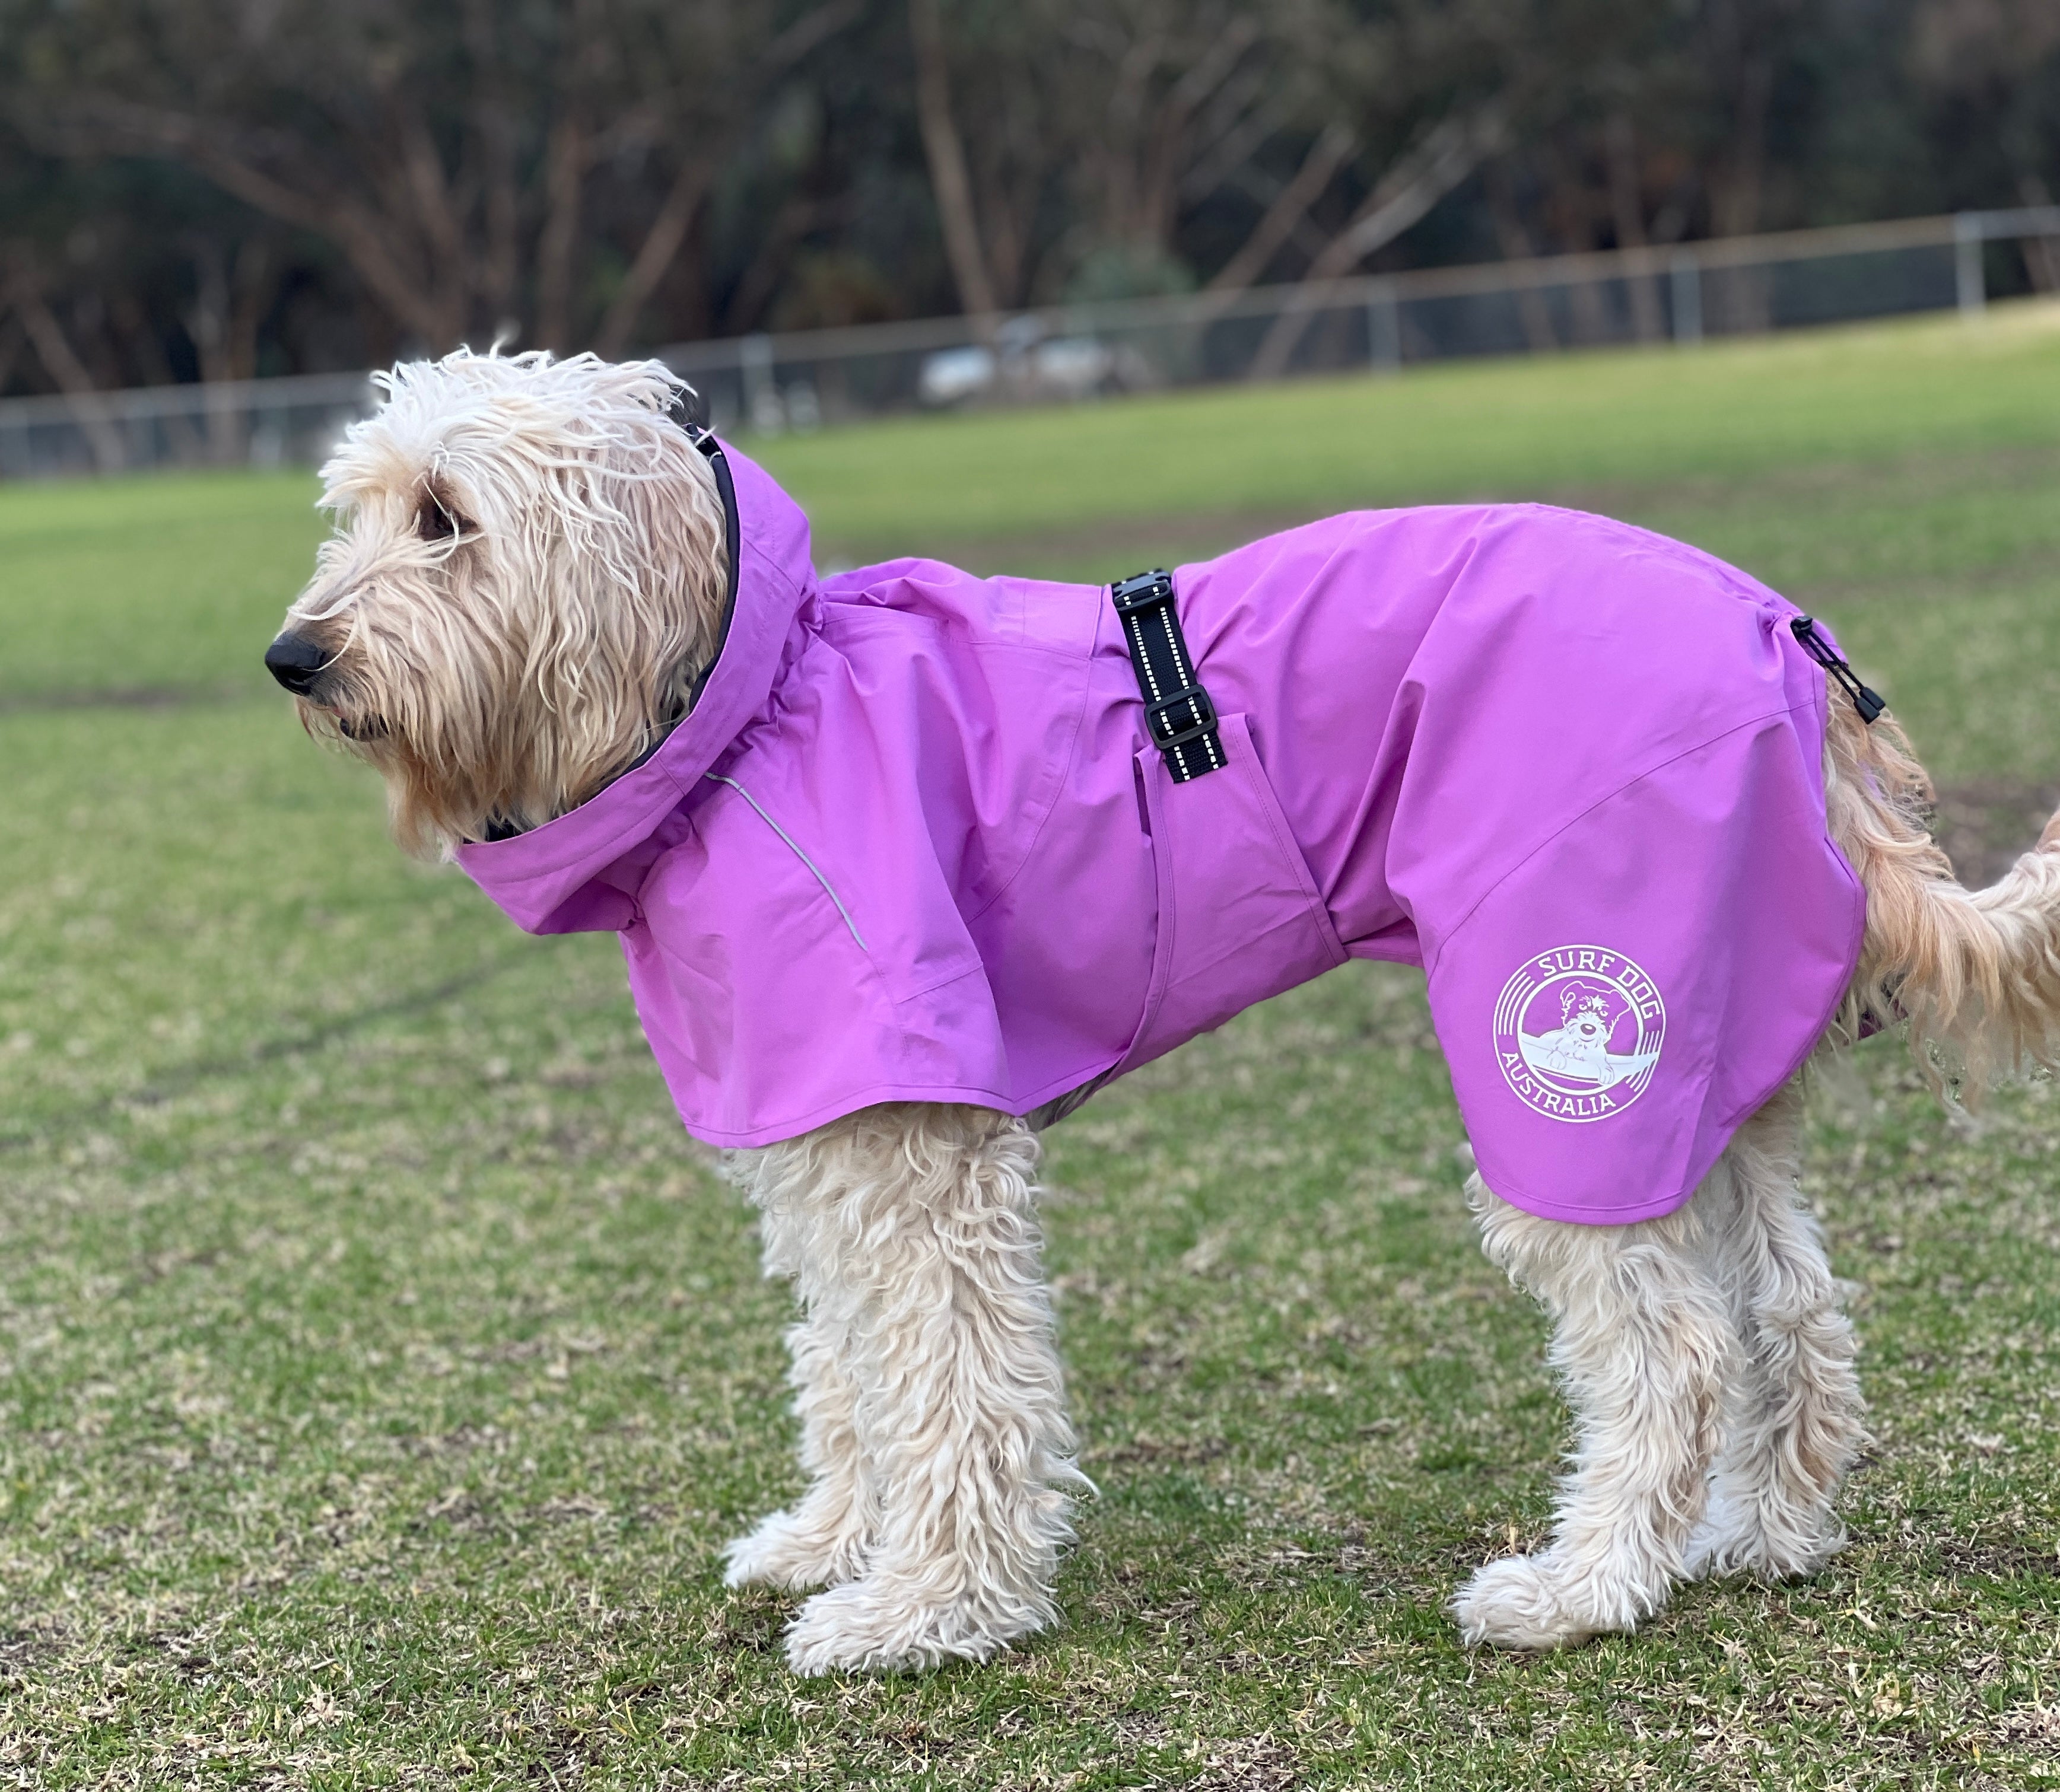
(906, 864)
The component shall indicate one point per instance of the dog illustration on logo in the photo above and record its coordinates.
(1578, 1048)
(1601, 1056)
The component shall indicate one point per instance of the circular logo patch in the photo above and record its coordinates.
(1578, 1032)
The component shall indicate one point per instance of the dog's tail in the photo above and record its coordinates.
(1976, 973)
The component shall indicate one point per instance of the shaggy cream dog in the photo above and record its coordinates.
(529, 586)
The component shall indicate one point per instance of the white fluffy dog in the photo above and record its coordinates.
(524, 591)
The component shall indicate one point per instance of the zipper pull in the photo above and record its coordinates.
(1864, 701)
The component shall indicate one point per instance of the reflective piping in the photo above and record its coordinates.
(795, 850)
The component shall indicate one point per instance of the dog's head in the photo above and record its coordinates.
(1586, 1015)
(527, 572)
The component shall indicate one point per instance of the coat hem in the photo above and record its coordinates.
(1577, 1213)
(777, 1131)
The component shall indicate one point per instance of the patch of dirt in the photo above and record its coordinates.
(2028, 470)
(1260, 1763)
(1153, 1449)
(23, 1650)
(1254, 1764)
(1128, 542)
(2036, 1726)
(2004, 1558)
(1381, 1571)
(750, 1621)
(140, 696)
(1985, 826)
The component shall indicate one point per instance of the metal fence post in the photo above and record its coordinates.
(1686, 275)
(1969, 278)
(1383, 329)
(762, 396)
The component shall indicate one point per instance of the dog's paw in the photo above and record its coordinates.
(790, 1551)
(1521, 1601)
(887, 1625)
(1725, 1540)
(1736, 1537)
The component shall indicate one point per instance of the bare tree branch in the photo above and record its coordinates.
(1630, 219)
(361, 234)
(567, 158)
(690, 186)
(1451, 151)
(661, 243)
(949, 179)
(1514, 241)
(62, 362)
(1332, 148)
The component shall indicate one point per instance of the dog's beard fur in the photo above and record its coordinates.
(527, 575)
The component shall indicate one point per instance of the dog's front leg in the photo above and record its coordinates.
(916, 1243)
(822, 1539)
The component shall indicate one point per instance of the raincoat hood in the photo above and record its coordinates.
(913, 843)
(534, 876)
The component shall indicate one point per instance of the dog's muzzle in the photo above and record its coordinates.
(296, 662)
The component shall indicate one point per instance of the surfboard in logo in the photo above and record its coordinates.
(1579, 1032)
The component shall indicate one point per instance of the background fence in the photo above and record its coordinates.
(801, 381)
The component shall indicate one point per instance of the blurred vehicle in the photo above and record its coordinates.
(1023, 363)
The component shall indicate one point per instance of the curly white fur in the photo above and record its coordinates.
(932, 1403)
(1711, 1372)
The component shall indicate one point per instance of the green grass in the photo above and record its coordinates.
(144, 587)
(380, 1369)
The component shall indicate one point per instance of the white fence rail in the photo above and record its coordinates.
(234, 423)
(800, 379)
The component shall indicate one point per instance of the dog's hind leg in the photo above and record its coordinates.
(923, 1224)
(1644, 1343)
(821, 1541)
(1795, 1424)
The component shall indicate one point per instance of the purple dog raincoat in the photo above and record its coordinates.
(912, 843)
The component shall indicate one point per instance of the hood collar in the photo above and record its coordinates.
(531, 874)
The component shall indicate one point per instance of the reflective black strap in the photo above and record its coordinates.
(1178, 714)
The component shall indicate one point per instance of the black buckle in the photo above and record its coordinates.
(1142, 591)
(1204, 722)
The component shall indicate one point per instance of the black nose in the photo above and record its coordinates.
(296, 662)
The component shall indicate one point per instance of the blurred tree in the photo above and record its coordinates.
(444, 151)
(1070, 142)
(214, 188)
(1988, 71)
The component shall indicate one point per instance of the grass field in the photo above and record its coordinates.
(380, 1369)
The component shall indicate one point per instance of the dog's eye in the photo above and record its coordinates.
(436, 521)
